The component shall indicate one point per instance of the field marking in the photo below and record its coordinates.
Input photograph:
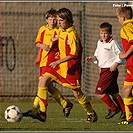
(68, 119)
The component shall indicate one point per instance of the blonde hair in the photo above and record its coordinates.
(124, 12)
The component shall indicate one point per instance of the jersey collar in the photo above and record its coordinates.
(69, 29)
(127, 21)
(108, 40)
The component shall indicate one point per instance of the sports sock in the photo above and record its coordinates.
(85, 103)
(129, 108)
(59, 98)
(43, 96)
(36, 104)
(118, 100)
(108, 101)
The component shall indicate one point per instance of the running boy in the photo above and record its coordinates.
(107, 57)
(46, 55)
(67, 69)
(124, 15)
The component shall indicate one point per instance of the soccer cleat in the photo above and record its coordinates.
(125, 123)
(36, 115)
(92, 118)
(112, 113)
(29, 113)
(41, 116)
(67, 109)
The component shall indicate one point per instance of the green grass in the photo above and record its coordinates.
(57, 122)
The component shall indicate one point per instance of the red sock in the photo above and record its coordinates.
(118, 100)
(108, 101)
(130, 107)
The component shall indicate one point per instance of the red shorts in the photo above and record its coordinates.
(73, 83)
(107, 82)
(43, 70)
(129, 77)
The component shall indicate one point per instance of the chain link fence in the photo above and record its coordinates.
(20, 21)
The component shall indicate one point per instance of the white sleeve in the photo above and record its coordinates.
(117, 49)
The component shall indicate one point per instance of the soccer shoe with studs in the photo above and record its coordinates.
(29, 113)
(41, 116)
(92, 118)
(112, 113)
(67, 109)
(36, 115)
(125, 123)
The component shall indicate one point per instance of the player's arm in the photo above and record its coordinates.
(54, 39)
(39, 39)
(43, 46)
(123, 55)
(114, 66)
(117, 49)
(55, 63)
(91, 58)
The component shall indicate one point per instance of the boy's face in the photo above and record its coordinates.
(52, 22)
(63, 23)
(104, 35)
(121, 19)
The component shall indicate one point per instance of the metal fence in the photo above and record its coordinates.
(20, 21)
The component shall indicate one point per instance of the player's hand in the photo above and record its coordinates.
(88, 59)
(113, 67)
(54, 64)
(122, 55)
(53, 39)
(45, 47)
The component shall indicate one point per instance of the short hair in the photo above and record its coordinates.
(66, 14)
(51, 13)
(106, 27)
(124, 12)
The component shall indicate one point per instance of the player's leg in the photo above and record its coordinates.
(128, 97)
(85, 103)
(119, 102)
(113, 109)
(41, 99)
(56, 94)
(107, 84)
(37, 99)
(128, 101)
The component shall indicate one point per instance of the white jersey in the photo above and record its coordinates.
(108, 53)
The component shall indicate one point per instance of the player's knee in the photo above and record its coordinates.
(127, 91)
(42, 83)
(77, 93)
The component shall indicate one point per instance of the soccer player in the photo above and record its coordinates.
(47, 54)
(67, 69)
(124, 15)
(107, 57)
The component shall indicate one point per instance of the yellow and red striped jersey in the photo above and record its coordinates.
(44, 35)
(69, 45)
(126, 34)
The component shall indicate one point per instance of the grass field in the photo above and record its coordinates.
(57, 122)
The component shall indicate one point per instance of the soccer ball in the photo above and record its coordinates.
(13, 114)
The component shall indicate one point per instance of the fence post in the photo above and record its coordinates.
(83, 24)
